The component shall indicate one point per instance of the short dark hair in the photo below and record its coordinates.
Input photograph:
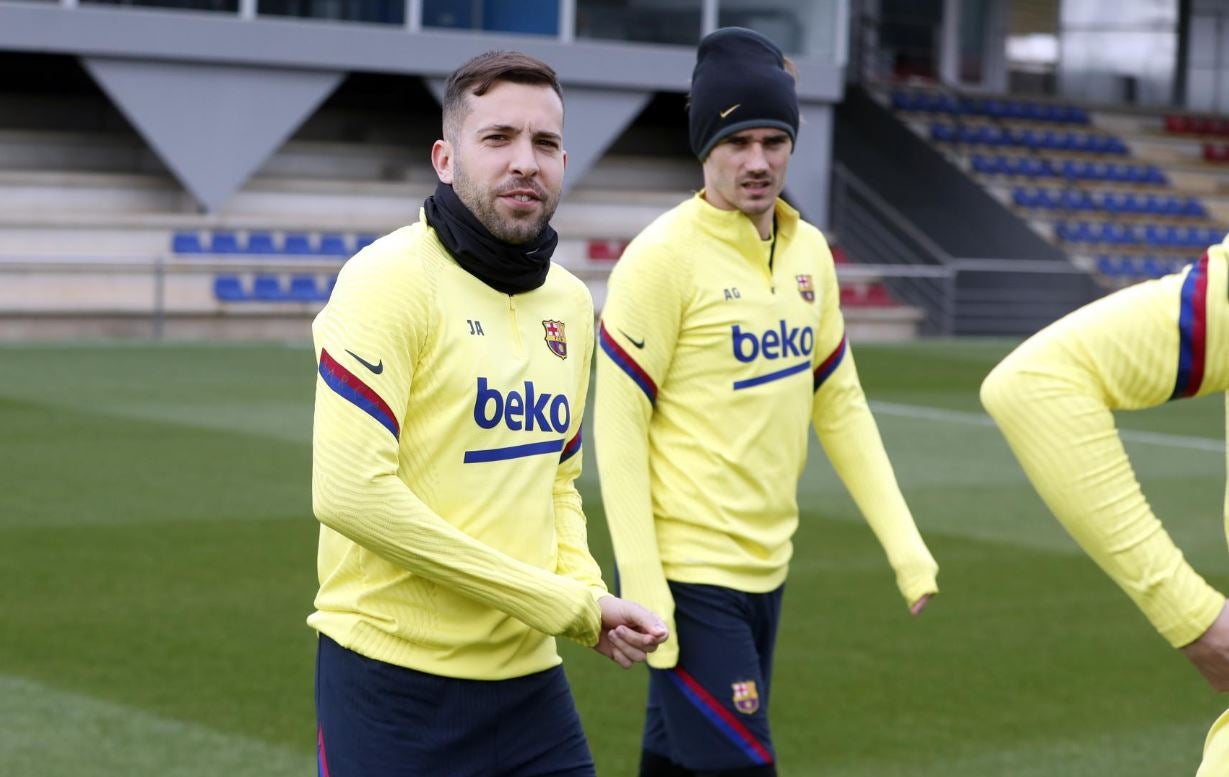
(482, 72)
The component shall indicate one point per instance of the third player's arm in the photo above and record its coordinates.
(851, 440)
(1052, 398)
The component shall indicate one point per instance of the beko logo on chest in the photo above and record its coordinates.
(526, 410)
(782, 342)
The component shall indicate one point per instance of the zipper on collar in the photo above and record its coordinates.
(516, 327)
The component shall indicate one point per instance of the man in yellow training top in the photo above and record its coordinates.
(453, 364)
(721, 339)
(1053, 398)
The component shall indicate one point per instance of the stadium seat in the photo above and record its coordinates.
(987, 165)
(1152, 268)
(1216, 153)
(362, 241)
(223, 243)
(297, 244)
(186, 243)
(334, 245)
(268, 288)
(943, 133)
(1178, 125)
(303, 289)
(260, 243)
(1195, 208)
(611, 250)
(227, 288)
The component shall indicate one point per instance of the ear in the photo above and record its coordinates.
(441, 160)
(565, 159)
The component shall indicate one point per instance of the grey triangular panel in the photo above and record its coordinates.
(593, 119)
(213, 125)
(436, 87)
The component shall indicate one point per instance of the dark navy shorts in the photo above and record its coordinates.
(379, 720)
(710, 712)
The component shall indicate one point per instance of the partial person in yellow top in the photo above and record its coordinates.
(722, 337)
(454, 359)
(1054, 396)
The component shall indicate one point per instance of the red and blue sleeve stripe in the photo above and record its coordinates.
(1192, 331)
(572, 447)
(720, 717)
(351, 388)
(829, 365)
(626, 363)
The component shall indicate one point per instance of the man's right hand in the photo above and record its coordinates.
(1210, 653)
(629, 631)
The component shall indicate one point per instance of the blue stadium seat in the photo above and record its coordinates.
(268, 288)
(223, 243)
(1106, 265)
(943, 133)
(1023, 137)
(227, 288)
(260, 243)
(1036, 168)
(900, 100)
(328, 289)
(297, 244)
(981, 164)
(1193, 207)
(303, 289)
(362, 241)
(1156, 236)
(1153, 268)
(334, 245)
(187, 243)
(1022, 198)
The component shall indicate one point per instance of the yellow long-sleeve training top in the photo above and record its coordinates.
(717, 347)
(1053, 398)
(446, 442)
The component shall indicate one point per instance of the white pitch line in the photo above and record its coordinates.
(981, 419)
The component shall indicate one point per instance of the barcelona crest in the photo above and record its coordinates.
(806, 287)
(556, 340)
(746, 700)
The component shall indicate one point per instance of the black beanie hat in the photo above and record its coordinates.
(739, 83)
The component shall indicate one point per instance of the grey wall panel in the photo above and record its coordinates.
(810, 170)
(318, 45)
(593, 119)
(213, 125)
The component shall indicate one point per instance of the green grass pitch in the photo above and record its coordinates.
(157, 555)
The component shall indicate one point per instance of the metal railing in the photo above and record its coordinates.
(148, 289)
(919, 272)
